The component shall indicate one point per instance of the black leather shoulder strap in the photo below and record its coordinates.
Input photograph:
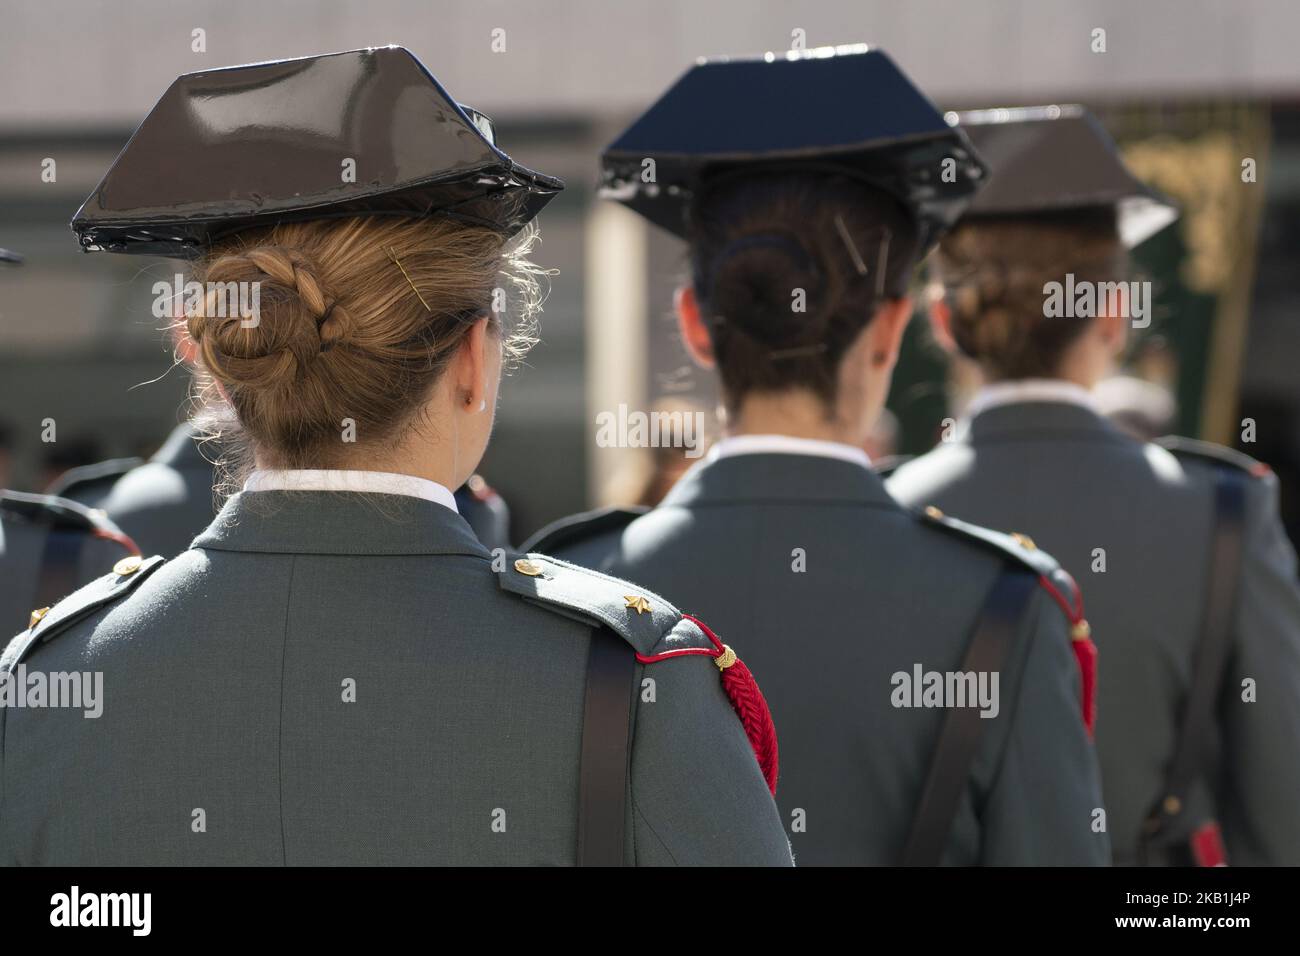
(1190, 759)
(603, 770)
(989, 648)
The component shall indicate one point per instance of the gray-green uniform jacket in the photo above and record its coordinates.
(1090, 494)
(344, 678)
(830, 589)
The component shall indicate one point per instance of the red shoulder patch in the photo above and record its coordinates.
(1065, 592)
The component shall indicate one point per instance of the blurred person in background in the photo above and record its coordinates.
(338, 671)
(64, 455)
(1145, 410)
(6, 453)
(784, 534)
(49, 546)
(1190, 580)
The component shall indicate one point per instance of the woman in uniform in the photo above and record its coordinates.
(338, 672)
(875, 632)
(1191, 582)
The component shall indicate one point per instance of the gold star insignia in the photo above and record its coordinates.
(636, 602)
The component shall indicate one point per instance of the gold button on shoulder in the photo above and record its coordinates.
(1172, 805)
(530, 568)
(726, 658)
(1081, 631)
(636, 602)
(128, 565)
(933, 512)
(37, 615)
(1024, 541)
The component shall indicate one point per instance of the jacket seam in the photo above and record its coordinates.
(284, 650)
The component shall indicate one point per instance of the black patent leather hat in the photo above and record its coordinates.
(229, 149)
(10, 257)
(1051, 159)
(847, 109)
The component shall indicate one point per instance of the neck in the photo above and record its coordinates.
(798, 414)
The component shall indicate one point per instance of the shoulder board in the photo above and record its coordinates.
(886, 466)
(126, 576)
(1054, 579)
(83, 476)
(1015, 547)
(1181, 447)
(588, 524)
(642, 618)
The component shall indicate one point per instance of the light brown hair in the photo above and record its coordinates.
(993, 273)
(358, 319)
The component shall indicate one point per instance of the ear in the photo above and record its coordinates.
(695, 334)
(473, 365)
(1112, 326)
(885, 333)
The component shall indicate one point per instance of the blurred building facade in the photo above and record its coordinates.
(1190, 89)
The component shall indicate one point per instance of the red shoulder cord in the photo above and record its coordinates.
(118, 537)
(1085, 651)
(746, 699)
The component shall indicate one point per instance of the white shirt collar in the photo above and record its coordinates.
(374, 482)
(1029, 390)
(733, 445)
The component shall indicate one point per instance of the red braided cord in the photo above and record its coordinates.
(118, 537)
(1085, 651)
(750, 706)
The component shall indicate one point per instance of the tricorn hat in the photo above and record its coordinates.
(850, 109)
(10, 257)
(365, 132)
(1046, 159)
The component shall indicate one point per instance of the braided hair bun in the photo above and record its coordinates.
(789, 267)
(994, 273)
(354, 320)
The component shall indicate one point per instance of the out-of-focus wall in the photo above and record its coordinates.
(102, 62)
(560, 77)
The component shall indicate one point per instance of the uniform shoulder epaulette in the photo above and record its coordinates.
(62, 514)
(886, 466)
(84, 477)
(587, 524)
(47, 623)
(1055, 580)
(655, 629)
(1192, 448)
(1019, 548)
(642, 618)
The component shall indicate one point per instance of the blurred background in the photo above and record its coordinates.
(1190, 90)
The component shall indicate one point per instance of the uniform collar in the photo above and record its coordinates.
(787, 445)
(1026, 420)
(765, 476)
(338, 522)
(1030, 390)
(372, 482)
